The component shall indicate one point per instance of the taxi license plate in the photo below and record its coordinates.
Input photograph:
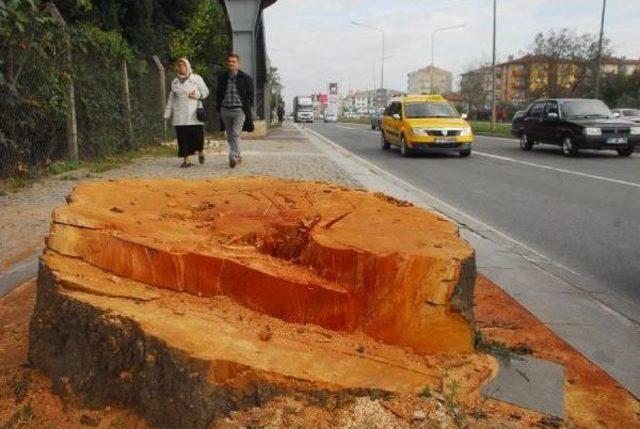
(446, 139)
(617, 140)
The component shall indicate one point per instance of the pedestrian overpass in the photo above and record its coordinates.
(247, 30)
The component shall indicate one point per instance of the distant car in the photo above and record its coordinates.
(628, 114)
(376, 119)
(575, 124)
(330, 117)
(427, 124)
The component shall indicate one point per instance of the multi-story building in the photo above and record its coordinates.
(363, 102)
(518, 80)
(430, 80)
(620, 65)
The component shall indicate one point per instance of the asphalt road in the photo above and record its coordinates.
(583, 213)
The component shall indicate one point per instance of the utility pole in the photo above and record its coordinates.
(493, 72)
(599, 63)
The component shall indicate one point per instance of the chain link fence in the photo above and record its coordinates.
(67, 94)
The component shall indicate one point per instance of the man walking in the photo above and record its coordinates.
(235, 104)
(280, 113)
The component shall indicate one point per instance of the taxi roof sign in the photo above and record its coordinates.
(429, 98)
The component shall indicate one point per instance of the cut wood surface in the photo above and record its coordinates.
(303, 252)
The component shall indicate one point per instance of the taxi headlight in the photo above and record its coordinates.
(420, 132)
(465, 132)
(634, 131)
(592, 131)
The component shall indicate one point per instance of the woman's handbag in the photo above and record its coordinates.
(201, 112)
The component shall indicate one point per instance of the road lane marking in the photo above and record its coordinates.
(559, 170)
(542, 166)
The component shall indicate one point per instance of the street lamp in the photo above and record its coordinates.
(493, 71)
(433, 38)
(380, 30)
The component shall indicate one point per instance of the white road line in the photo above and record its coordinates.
(559, 170)
(497, 138)
(542, 166)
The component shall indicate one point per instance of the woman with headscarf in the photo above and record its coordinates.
(187, 92)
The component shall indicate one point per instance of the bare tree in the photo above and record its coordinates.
(474, 88)
(563, 63)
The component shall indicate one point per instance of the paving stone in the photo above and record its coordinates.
(530, 383)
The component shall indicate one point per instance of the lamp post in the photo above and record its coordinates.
(380, 30)
(493, 72)
(433, 39)
(599, 65)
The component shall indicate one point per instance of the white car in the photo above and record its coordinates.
(330, 117)
(628, 114)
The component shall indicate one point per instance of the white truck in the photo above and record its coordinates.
(303, 109)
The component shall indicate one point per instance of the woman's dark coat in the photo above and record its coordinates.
(244, 83)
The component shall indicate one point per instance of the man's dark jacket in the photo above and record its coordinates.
(244, 83)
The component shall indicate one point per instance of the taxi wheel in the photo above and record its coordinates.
(383, 140)
(465, 153)
(405, 150)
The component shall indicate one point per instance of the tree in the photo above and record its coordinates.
(621, 90)
(32, 82)
(204, 41)
(563, 64)
(273, 82)
(474, 89)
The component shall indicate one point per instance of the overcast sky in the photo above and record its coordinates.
(312, 42)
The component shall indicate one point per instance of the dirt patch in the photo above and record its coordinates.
(592, 397)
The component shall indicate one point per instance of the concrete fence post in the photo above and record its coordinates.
(127, 100)
(163, 92)
(72, 125)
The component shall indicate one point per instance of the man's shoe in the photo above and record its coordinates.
(201, 159)
(239, 161)
(232, 163)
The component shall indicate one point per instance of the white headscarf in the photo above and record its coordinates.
(189, 70)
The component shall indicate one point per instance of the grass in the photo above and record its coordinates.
(426, 392)
(499, 349)
(22, 417)
(355, 120)
(503, 129)
(484, 128)
(117, 423)
(98, 165)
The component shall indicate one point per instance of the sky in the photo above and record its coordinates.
(313, 42)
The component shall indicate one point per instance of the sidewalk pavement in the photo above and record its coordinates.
(581, 314)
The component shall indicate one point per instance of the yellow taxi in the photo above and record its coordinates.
(427, 124)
